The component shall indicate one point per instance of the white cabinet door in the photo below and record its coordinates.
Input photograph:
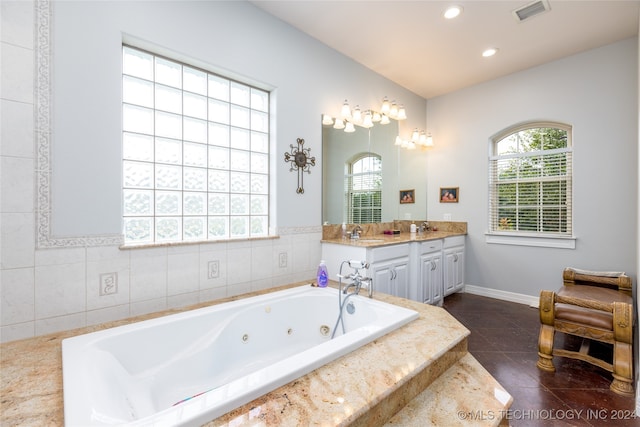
(431, 278)
(453, 269)
(391, 277)
(401, 277)
(429, 272)
(390, 269)
(382, 275)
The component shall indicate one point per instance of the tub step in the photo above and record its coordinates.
(464, 395)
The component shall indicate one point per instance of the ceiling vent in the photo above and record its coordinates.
(532, 9)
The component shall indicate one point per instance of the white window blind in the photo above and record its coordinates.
(363, 190)
(530, 189)
(195, 153)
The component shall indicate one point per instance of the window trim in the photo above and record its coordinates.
(349, 191)
(232, 79)
(521, 238)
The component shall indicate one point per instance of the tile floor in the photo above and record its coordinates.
(504, 338)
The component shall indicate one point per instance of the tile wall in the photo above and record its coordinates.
(49, 290)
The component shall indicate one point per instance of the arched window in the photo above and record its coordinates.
(363, 189)
(530, 181)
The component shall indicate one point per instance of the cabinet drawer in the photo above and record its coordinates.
(430, 246)
(450, 242)
(387, 252)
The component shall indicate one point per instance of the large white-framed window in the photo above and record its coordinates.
(530, 185)
(195, 153)
(363, 189)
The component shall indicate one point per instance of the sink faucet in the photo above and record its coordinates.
(425, 226)
(355, 233)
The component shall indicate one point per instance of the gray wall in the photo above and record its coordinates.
(55, 287)
(595, 92)
(307, 77)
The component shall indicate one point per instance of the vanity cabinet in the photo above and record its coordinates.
(390, 269)
(424, 271)
(453, 253)
(428, 287)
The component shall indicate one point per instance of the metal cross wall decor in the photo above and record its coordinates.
(300, 160)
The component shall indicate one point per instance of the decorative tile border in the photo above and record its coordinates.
(43, 105)
(43, 92)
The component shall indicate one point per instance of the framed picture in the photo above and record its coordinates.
(449, 194)
(407, 196)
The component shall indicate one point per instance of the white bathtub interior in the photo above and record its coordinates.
(191, 367)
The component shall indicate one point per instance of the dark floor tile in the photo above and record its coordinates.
(600, 406)
(504, 339)
(537, 406)
(477, 343)
(571, 373)
(507, 372)
(509, 339)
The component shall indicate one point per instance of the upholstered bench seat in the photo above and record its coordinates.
(588, 316)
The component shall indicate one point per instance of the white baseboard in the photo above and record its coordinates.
(531, 301)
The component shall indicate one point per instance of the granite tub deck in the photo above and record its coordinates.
(420, 374)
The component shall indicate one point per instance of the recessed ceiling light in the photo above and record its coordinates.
(452, 12)
(490, 52)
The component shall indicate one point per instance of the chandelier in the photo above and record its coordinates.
(367, 118)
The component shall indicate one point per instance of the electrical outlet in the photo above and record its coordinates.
(282, 260)
(214, 269)
(108, 284)
(447, 217)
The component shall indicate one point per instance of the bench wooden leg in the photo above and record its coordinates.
(547, 331)
(545, 349)
(622, 349)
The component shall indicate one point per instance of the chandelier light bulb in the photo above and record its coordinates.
(429, 142)
(339, 124)
(349, 127)
(377, 117)
(385, 106)
(367, 122)
(346, 111)
(384, 120)
(327, 120)
(423, 138)
(393, 111)
(402, 113)
(357, 114)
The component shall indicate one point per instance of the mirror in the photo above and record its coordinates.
(400, 170)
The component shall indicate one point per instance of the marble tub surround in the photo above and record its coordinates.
(365, 387)
(434, 407)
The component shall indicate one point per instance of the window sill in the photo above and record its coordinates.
(195, 242)
(535, 240)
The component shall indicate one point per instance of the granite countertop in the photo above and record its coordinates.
(365, 387)
(376, 240)
(373, 233)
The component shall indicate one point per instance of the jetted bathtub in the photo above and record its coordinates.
(192, 367)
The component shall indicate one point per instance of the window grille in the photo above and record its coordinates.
(195, 153)
(530, 182)
(363, 190)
